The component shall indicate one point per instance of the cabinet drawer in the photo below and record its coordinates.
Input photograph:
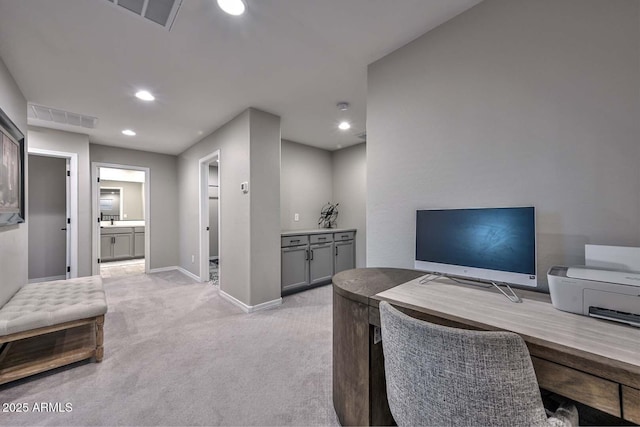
(138, 229)
(582, 387)
(346, 235)
(321, 238)
(294, 241)
(631, 404)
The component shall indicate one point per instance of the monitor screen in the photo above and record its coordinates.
(493, 243)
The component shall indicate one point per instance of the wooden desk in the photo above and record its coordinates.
(591, 361)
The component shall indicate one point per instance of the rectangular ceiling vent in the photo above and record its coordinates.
(62, 117)
(161, 12)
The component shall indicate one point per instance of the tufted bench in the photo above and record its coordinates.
(51, 324)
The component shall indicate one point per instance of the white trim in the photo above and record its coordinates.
(73, 203)
(203, 213)
(95, 212)
(176, 268)
(250, 308)
(47, 279)
(190, 274)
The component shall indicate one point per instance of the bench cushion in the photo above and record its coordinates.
(38, 305)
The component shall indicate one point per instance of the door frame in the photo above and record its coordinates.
(72, 204)
(95, 212)
(203, 235)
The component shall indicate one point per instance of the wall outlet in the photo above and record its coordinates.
(193, 259)
(124, 215)
(296, 217)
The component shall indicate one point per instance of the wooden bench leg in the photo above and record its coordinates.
(99, 338)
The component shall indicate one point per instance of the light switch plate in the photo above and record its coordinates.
(296, 217)
(244, 187)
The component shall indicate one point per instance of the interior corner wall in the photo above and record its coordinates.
(264, 188)
(57, 140)
(14, 239)
(232, 139)
(305, 185)
(350, 191)
(163, 185)
(511, 103)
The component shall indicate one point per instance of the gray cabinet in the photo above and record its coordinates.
(345, 252)
(294, 262)
(138, 244)
(320, 263)
(116, 246)
(118, 243)
(311, 259)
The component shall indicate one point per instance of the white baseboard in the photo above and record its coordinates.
(250, 308)
(47, 279)
(175, 267)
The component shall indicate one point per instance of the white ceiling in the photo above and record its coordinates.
(293, 58)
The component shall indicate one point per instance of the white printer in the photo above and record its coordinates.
(596, 291)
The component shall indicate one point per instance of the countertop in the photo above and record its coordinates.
(316, 231)
(107, 224)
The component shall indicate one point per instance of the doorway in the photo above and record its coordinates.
(53, 212)
(210, 257)
(121, 237)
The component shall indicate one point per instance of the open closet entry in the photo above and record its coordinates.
(214, 198)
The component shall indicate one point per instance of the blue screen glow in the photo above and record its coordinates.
(501, 239)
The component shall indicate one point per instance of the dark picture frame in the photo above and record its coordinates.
(11, 172)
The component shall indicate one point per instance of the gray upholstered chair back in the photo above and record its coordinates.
(442, 376)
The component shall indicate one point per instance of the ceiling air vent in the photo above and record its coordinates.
(62, 117)
(161, 12)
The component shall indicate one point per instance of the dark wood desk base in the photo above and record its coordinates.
(359, 386)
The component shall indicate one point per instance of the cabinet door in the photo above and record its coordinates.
(138, 245)
(345, 256)
(122, 246)
(295, 267)
(106, 252)
(320, 263)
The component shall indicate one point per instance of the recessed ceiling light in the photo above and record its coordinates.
(232, 7)
(145, 95)
(344, 126)
(129, 132)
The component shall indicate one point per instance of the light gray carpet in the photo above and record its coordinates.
(176, 353)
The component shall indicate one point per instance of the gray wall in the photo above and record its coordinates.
(350, 190)
(47, 217)
(265, 206)
(249, 148)
(163, 185)
(305, 185)
(56, 140)
(13, 239)
(511, 103)
(213, 212)
(133, 197)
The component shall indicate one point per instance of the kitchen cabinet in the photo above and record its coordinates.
(309, 257)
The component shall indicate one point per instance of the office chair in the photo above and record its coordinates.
(439, 376)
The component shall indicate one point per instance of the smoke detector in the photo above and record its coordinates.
(343, 106)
